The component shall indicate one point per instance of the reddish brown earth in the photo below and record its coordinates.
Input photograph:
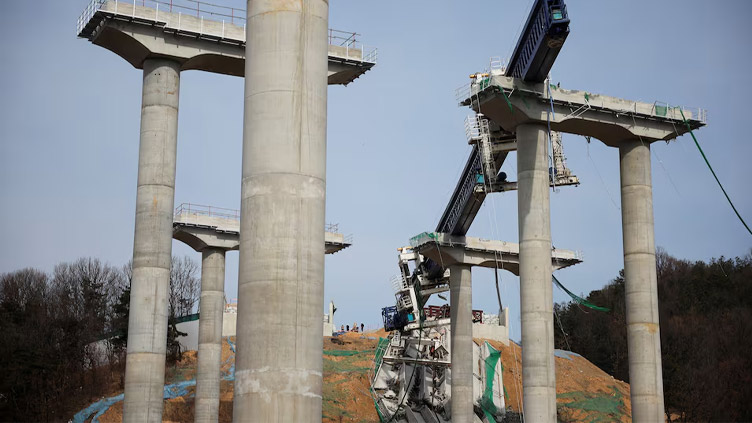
(584, 392)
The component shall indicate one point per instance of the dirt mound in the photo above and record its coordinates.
(583, 391)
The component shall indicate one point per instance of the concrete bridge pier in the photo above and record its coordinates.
(210, 335)
(152, 243)
(641, 282)
(281, 277)
(629, 126)
(536, 296)
(460, 253)
(461, 309)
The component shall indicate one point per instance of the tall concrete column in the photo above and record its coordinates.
(536, 297)
(152, 243)
(641, 283)
(461, 301)
(210, 335)
(281, 276)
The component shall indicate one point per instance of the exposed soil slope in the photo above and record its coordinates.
(584, 392)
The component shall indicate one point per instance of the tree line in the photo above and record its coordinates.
(705, 311)
(64, 334)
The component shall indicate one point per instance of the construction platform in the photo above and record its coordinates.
(200, 36)
(202, 227)
(510, 102)
(446, 250)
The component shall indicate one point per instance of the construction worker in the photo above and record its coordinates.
(355, 326)
(361, 327)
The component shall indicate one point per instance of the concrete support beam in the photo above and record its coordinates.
(152, 243)
(641, 283)
(279, 360)
(210, 335)
(461, 300)
(536, 297)
(609, 119)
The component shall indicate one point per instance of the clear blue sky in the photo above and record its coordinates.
(69, 127)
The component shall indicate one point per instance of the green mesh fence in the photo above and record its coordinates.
(345, 353)
(380, 350)
(578, 299)
(592, 406)
(661, 110)
(486, 401)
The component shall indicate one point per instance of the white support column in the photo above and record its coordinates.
(152, 243)
(536, 296)
(281, 277)
(210, 335)
(641, 283)
(461, 299)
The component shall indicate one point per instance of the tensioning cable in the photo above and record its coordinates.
(713, 172)
(577, 299)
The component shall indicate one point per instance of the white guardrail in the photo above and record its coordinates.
(165, 11)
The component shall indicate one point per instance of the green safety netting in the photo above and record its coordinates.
(689, 128)
(486, 401)
(380, 350)
(341, 353)
(484, 83)
(577, 299)
(596, 407)
(661, 110)
(421, 238)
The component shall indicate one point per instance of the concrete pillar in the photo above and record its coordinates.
(641, 283)
(152, 243)
(536, 298)
(461, 299)
(210, 335)
(281, 276)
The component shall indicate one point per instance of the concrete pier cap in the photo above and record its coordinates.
(449, 250)
(511, 102)
(202, 227)
(210, 38)
(531, 109)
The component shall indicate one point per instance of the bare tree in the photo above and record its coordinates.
(185, 286)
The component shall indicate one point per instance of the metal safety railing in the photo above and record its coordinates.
(664, 109)
(187, 209)
(398, 282)
(354, 48)
(190, 209)
(196, 8)
(462, 93)
(472, 128)
(150, 10)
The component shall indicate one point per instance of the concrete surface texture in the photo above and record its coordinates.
(461, 300)
(152, 244)
(495, 327)
(630, 126)
(450, 249)
(209, 43)
(199, 231)
(641, 283)
(536, 296)
(279, 363)
(610, 119)
(212, 305)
